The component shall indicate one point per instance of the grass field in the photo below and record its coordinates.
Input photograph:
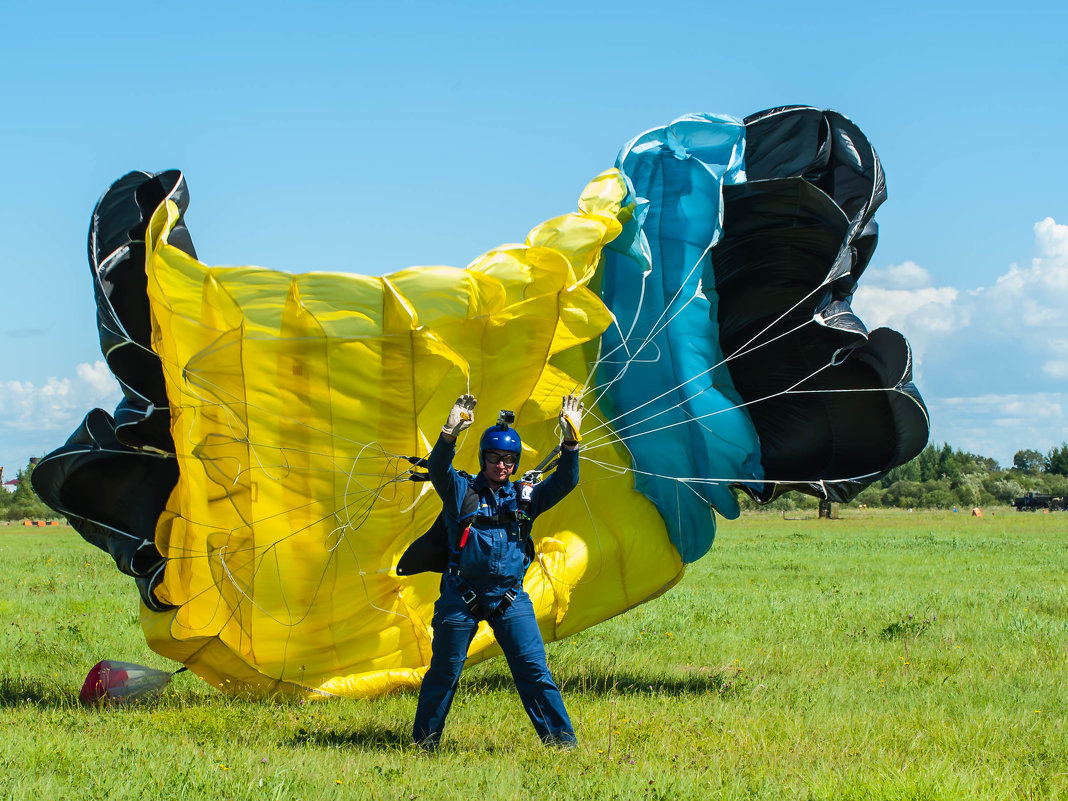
(883, 655)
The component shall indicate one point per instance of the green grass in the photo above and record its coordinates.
(886, 655)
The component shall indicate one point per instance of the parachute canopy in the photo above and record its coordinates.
(259, 479)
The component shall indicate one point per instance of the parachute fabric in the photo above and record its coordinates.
(840, 409)
(703, 286)
(294, 400)
(661, 377)
(736, 360)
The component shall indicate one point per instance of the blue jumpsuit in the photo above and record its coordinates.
(492, 561)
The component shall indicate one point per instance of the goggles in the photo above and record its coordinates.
(507, 459)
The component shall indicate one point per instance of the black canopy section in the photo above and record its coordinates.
(112, 478)
(117, 262)
(112, 495)
(833, 405)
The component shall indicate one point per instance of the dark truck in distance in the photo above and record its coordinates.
(1033, 501)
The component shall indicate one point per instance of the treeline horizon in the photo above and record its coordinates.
(942, 477)
(938, 478)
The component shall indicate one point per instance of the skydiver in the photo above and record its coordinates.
(490, 549)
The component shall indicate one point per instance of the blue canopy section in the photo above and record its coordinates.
(662, 376)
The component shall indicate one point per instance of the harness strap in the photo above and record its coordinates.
(470, 597)
(469, 517)
(503, 517)
(502, 607)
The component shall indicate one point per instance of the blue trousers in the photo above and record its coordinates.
(517, 633)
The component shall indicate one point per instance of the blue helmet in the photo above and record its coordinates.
(499, 438)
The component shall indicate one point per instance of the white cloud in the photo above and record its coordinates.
(912, 311)
(35, 419)
(1057, 367)
(1035, 297)
(991, 361)
(909, 276)
(59, 402)
(1000, 425)
(56, 404)
(1026, 308)
(98, 379)
(1052, 239)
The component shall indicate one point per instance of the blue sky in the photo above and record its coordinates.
(370, 137)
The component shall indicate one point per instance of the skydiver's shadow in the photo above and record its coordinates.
(723, 683)
(366, 738)
(15, 691)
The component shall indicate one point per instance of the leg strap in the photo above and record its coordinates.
(470, 597)
(502, 607)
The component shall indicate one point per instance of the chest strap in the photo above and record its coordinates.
(499, 520)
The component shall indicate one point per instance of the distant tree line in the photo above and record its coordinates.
(23, 503)
(946, 478)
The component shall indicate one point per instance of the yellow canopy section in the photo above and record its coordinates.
(295, 402)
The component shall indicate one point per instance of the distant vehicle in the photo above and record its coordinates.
(1033, 501)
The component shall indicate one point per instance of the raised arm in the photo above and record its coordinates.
(566, 476)
(447, 482)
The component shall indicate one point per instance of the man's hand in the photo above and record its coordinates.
(571, 419)
(461, 417)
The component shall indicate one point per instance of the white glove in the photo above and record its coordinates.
(462, 415)
(571, 418)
